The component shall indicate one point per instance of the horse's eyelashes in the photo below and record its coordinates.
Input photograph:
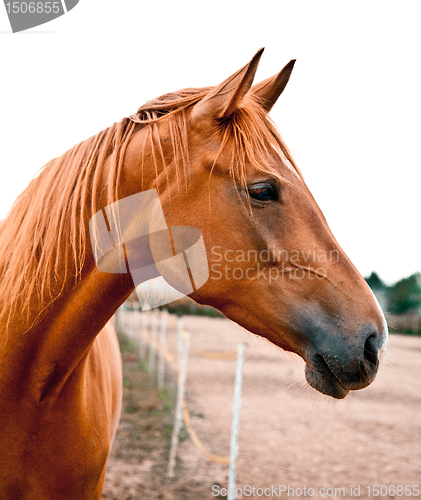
(263, 192)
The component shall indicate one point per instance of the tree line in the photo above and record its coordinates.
(402, 297)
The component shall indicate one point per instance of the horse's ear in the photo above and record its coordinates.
(270, 89)
(224, 99)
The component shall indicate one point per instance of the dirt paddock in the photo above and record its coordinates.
(294, 442)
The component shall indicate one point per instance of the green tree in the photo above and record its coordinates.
(374, 282)
(405, 295)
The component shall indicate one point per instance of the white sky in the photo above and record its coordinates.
(350, 114)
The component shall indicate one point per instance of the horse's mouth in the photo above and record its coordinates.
(322, 378)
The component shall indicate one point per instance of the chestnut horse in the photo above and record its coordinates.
(218, 164)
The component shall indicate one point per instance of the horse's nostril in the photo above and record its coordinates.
(371, 352)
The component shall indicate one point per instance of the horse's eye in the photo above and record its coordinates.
(263, 192)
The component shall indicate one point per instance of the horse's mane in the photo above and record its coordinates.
(43, 238)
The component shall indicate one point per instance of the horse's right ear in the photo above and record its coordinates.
(224, 99)
(270, 89)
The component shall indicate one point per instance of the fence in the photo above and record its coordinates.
(149, 331)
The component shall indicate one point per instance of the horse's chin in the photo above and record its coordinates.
(320, 377)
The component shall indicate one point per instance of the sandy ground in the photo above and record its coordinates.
(290, 435)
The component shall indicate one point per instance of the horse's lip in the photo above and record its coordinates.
(321, 377)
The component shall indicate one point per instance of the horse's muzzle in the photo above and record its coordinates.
(336, 368)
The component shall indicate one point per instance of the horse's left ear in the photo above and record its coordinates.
(224, 99)
(270, 89)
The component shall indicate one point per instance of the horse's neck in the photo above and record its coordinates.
(58, 338)
(61, 340)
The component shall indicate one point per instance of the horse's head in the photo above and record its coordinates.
(275, 266)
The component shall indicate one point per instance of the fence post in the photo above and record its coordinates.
(235, 422)
(125, 319)
(183, 345)
(130, 323)
(142, 334)
(138, 320)
(117, 320)
(122, 318)
(152, 345)
(162, 340)
(179, 339)
(180, 351)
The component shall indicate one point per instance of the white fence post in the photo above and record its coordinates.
(122, 317)
(182, 375)
(235, 422)
(117, 320)
(142, 334)
(179, 339)
(152, 345)
(162, 341)
(129, 324)
(180, 351)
